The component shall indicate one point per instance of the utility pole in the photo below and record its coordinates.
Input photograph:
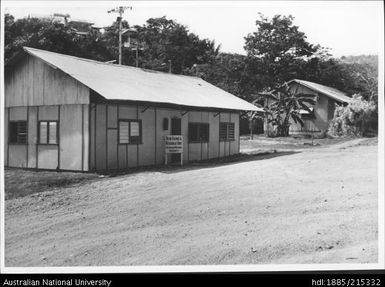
(133, 44)
(120, 10)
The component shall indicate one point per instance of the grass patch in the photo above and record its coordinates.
(19, 182)
(263, 142)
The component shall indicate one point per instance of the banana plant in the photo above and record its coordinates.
(282, 105)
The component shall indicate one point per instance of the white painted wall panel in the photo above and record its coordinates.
(92, 153)
(214, 135)
(32, 136)
(235, 144)
(48, 113)
(147, 148)
(71, 141)
(17, 155)
(112, 145)
(132, 155)
(6, 136)
(18, 114)
(122, 158)
(86, 138)
(34, 83)
(101, 140)
(48, 156)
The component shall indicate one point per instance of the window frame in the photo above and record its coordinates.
(227, 139)
(39, 131)
(199, 125)
(129, 131)
(10, 132)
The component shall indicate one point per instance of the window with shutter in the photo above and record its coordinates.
(226, 131)
(18, 132)
(123, 132)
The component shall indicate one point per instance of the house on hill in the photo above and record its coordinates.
(69, 113)
(318, 121)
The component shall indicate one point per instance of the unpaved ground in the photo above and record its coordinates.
(19, 182)
(314, 206)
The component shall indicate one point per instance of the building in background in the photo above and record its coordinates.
(318, 120)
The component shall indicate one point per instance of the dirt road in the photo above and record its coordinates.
(314, 206)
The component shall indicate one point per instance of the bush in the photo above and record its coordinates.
(358, 118)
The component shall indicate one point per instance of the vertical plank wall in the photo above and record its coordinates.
(36, 91)
(74, 137)
(107, 154)
(194, 149)
(214, 148)
(147, 148)
(48, 155)
(161, 114)
(129, 151)
(32, 136)
(17, 153)
(6, 123)
(321, 111)
(34, 83)
(214, 135)
(112, 136)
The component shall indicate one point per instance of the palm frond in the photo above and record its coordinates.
(269, 96)
(297, 119)
(304, 95)
(309, 101)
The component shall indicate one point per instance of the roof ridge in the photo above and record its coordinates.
(326, 90)
(321, 85)
(108, 64)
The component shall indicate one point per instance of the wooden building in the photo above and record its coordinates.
(317, 122)
(69, 113)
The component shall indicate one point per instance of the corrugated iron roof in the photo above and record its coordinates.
(118, 82)
(327, 91)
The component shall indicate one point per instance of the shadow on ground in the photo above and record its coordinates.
(20, 182)
(242, 157)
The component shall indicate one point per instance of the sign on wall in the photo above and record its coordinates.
(174, 144)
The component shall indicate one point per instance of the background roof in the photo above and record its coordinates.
(118, 82)
(327, 91)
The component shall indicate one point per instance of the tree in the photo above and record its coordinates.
(167, 41)
(355, 119)
(279, 50)
(226, 71)
(52, 36)
(284, 106)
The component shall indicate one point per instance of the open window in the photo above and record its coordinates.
(130, 132)
(18, 132)
(307, 115)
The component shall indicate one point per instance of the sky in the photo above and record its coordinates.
(346, 27)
